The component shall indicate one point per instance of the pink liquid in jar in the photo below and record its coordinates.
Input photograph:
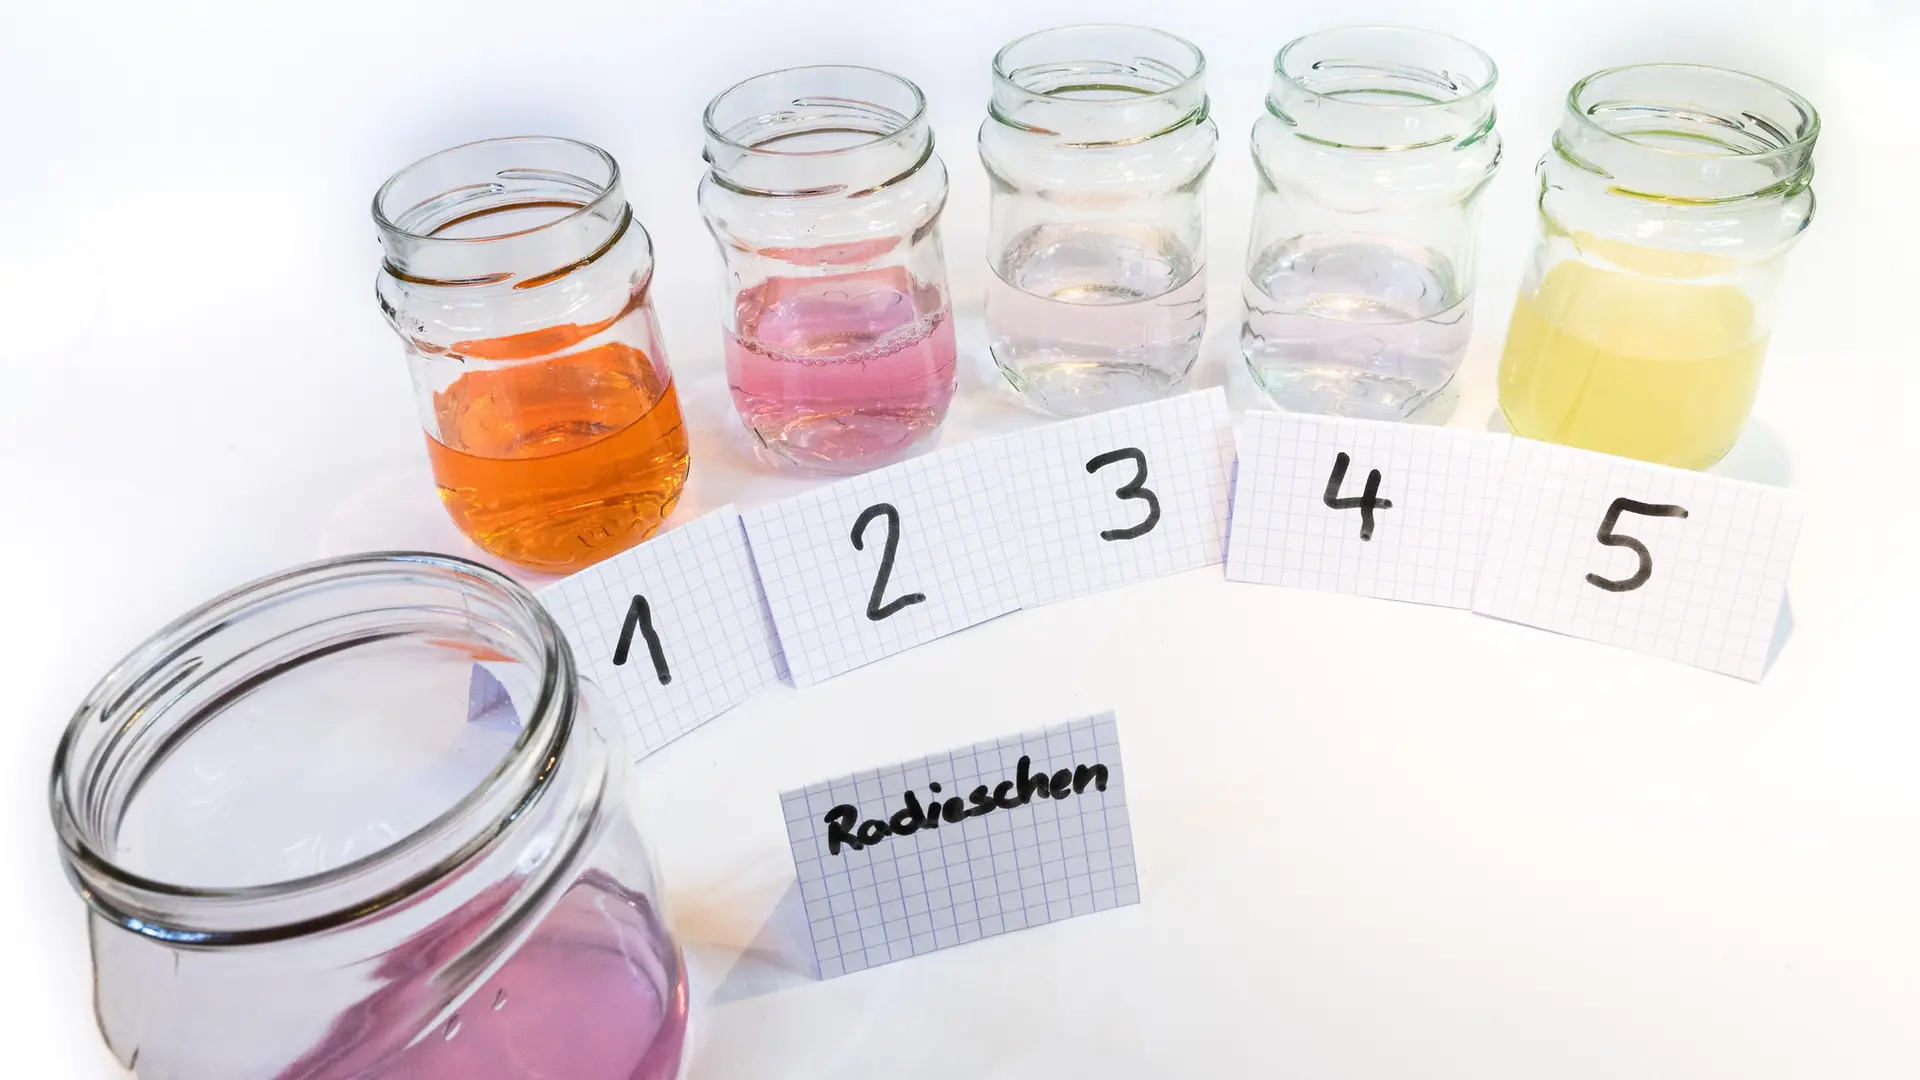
(596, 992)
(842, 373)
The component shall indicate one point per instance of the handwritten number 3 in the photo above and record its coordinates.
(1609, 538)
(875, 609)
(1132, 489)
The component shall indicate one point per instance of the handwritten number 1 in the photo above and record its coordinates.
(875, 609)
(1367, 502)
(1135, 488)
(1609, 538)
(639, 615)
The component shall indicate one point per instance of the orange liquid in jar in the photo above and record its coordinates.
(556, 464)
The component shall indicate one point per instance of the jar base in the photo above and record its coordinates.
(1698, 460)
(1070, 388)
(1355, 395)
(845, 443)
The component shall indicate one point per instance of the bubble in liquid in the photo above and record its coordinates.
(500, 999)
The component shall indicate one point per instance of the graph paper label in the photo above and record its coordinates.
(676, 630)
(953, 847)
(1124, 496)
(1389, 510)
(861, 569)
(1678, 564)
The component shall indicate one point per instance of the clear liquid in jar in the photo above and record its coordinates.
(1086, 319)
(1353, 326)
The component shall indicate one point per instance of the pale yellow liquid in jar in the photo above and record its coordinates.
(1655, 364)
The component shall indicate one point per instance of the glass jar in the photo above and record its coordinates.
(517, 276)
(1097, 143)
(362, 821)
(1372, 156)
(1667, 206)
(824, 194)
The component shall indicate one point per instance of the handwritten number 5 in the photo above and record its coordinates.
(1132, 489)
(875, 609)
(639, 615)
(1609, 538)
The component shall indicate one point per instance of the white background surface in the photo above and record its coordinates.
(1376, 840)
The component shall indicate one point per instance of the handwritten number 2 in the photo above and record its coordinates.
(639, 615)
(875, 609)
(1367, 502)
(1135, 488)
(1609, 538)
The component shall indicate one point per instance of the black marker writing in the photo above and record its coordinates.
(914, 816)
(1609, 538)
(1135, 488)
(639, 615)
(875, 609)
(1366, 503)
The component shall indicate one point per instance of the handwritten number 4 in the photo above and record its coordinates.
(1135, 488)
(875, 609)
(1366, 502)
(1609, 538)
(640, 616)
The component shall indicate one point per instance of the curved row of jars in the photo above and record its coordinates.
(518, 277)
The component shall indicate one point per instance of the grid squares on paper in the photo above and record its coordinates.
(1718, 575)
(957, 546)
(707, 607)
(1187, 443)
(1424, 549)
(1003, 871)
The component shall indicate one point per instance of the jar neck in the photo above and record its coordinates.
(825, 133)
(208, 662)
(1373, 88)
(1683, 134)
(1099, 86)
(518, 212)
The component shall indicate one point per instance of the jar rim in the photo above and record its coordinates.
(713, 131)
(1002, 76)
(523, 773)
(608, 190)
(1484, 89)
(1798, 144)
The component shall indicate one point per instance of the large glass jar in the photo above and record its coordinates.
(1667, 206)
(518, 277)
(362, 821)
(824, 194)
(1097, 143)
(1372, 156)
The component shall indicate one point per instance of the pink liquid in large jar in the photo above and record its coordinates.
(596, 992)
(842, 373)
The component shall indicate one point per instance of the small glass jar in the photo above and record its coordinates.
(1667, 206)
(824, 194)
(1097, 143)
(518, 277)
(1359, 292)
(362, 821)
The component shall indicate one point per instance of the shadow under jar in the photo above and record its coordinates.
(362, 821)
(518, 278)
(1667, 207)
(824, 195)
(1097, 144)
(1372, 156)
